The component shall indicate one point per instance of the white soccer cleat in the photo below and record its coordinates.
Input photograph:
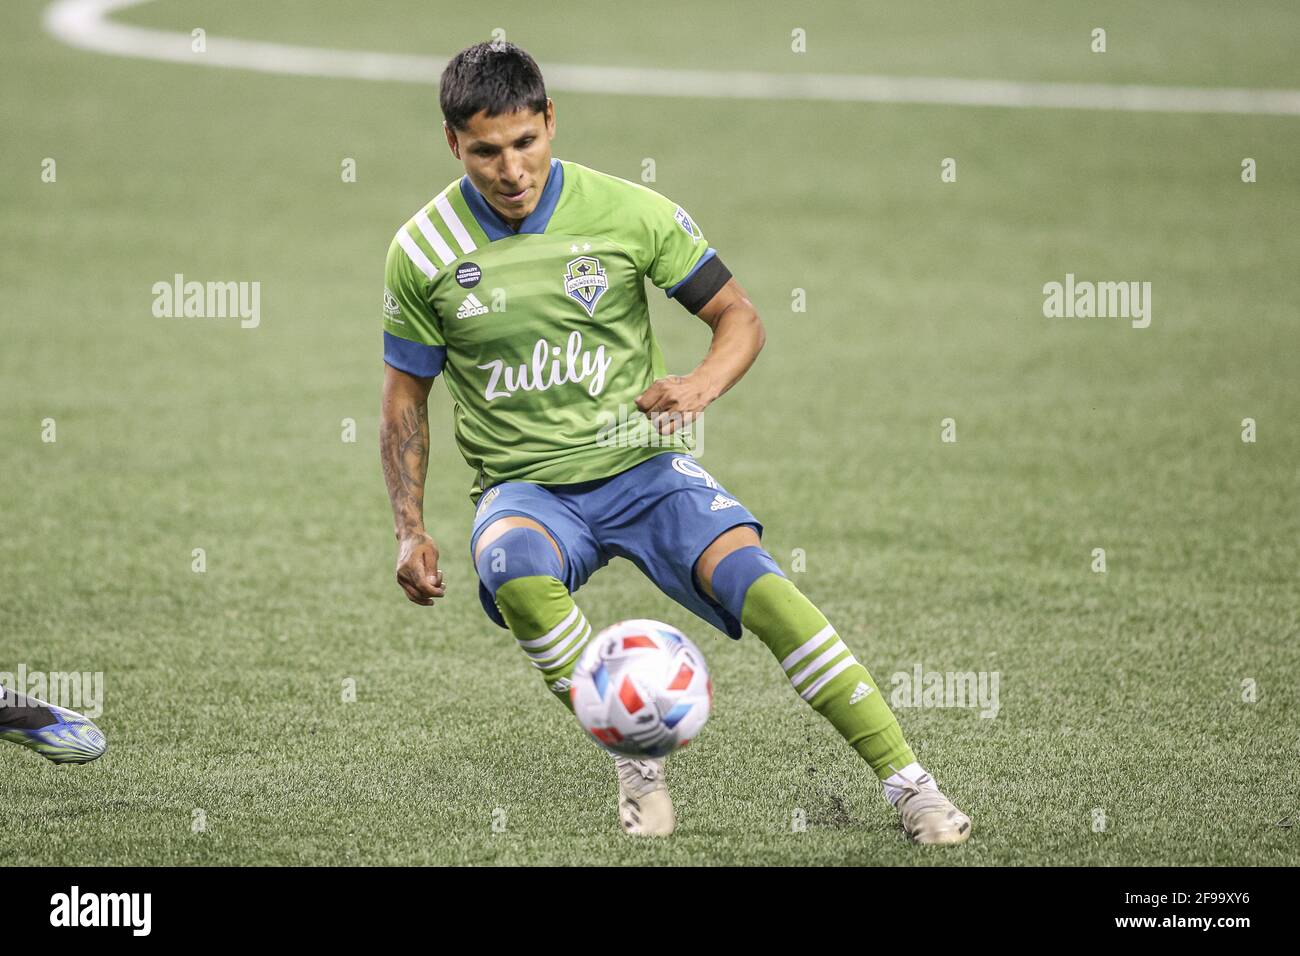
(930, 817)
(644, 807)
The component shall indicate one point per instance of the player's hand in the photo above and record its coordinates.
(674, 401)
(417, 569)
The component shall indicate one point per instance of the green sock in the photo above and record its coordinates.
(549, 627)
(824, 671)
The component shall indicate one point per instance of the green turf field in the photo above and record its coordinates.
(1120, 691)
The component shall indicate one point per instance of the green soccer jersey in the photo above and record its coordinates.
(543, 334)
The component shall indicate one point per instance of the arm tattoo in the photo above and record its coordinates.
(404, 451)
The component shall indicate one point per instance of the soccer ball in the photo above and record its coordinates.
(641, 689)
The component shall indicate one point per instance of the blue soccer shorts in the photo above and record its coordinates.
(660, 514)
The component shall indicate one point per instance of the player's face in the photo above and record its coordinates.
(507, 157)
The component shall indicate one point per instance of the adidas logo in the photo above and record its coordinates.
(470, 307)
(859, 692)
(562, 685)
(720, 502)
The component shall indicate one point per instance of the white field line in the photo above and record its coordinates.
(85, 24)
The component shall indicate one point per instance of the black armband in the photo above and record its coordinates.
(695, 291)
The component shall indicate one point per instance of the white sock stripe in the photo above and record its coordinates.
(834, 651)
(440, 247)
(829, 676)
(541, 642)
(458, 230)
(416, 254)
(557, 645)
(578, 648)
(545, 656)
(806, 648)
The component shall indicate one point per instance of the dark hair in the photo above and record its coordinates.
(495, 77)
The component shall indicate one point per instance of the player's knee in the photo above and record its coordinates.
(519, 553)
(736, 572)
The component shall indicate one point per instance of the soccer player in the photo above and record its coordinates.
(522, 284)
(56, 733)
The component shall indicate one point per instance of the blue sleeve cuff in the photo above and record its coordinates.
(413, 358)
(672, 290)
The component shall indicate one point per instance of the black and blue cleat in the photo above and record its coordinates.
(56, 733)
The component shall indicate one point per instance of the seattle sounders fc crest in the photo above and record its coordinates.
(585, 281)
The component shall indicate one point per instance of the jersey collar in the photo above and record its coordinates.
(536, 222)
